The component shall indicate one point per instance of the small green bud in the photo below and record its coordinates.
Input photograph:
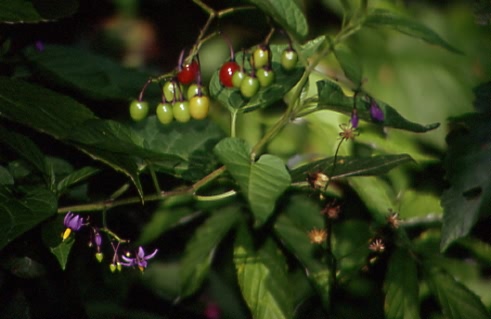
(99, 257)
(112, 267)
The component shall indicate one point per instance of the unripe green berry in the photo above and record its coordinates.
(237, 78)
(249, 87)
(99, 257)
(164, 113)
(138, 110)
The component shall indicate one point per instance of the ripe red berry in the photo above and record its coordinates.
(227, 71)
(188, 73)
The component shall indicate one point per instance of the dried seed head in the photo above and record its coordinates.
(393, 220)
(377, 245)
(332, 210)
(318, 180)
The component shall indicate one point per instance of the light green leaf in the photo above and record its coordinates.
(401, 287)
(24, 11)
(456, 300)
(376, 194)
(287, 14)
(292, 227)
(347, 166)
(331, 97)
(201, 248)
(262, 278)
(261, 182)
(18, 215)
(62, 251)
(350, 64)
(385, 18)
(468, 170)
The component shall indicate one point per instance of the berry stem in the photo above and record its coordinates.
(230, 47)
(140, 96)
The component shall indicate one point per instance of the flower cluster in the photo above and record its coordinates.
(74, 223)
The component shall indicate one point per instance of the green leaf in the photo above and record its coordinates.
(292, 227)
(62, 251)
(456, 300)
(401, 287)
(331, 97)
(350, 64)
(25, 148)
(284, 81)
(76, 177)
(201, 248)
(262, 278)
(18, 215)
(468, 170)
(261, 182)
(347, 166)
(385, 18)
(94, 76)
(188, 147)
(376, 194)
(23, 11)
(287, 14)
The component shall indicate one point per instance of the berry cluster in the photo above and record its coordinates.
(183, 97)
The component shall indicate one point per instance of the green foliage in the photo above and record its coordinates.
(293, 201)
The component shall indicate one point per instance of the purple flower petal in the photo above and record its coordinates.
(354, 118)
(376, 112)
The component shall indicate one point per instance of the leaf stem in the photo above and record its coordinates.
(233, 123)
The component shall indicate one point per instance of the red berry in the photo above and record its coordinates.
(227, 71)
(188, 73)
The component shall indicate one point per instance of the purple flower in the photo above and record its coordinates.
(376, 112)
(72, 222)
(39, 45)
(354, 119)
(140, 260)
(97, 239)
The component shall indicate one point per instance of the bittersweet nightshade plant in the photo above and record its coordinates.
(72, 222)
(140, 260)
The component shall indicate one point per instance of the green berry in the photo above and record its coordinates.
(180, 110)
(261, 57)
(138, 110)
(289, 59)
(99, 257)
(249, 86)
(199, 107)
(164, 113)
(194, 89)
(265, 77)
(172, 91)
(237, 78)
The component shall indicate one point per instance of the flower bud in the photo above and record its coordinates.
(112, 267)
(99, 257)
(376, 112)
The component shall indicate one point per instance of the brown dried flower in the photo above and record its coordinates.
(317, 236)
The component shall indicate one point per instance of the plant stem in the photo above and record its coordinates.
(233, 123)
(154, 178)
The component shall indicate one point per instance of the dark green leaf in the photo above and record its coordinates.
(385, 18)
(456, 300)
(292, 227)
(468, 170)
(287, 14)
(187, 147)
(284, 81)
(94, 76)
(24, 11)
(200, 249)
(262, 278)
(261, 182)
(350, 246)
(350, 64)
(347, 166)
(25, 148)
(18, 215)
(62, 251)
(331, 97)
(482, 102)
(76, 177)
(401, 287)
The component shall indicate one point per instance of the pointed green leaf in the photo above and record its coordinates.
(347, 166)
(292, 227)
(94, 76)
(350, 64)
(24, 11)
(18, 215)
(376, 194)
(401, 287)
(262, 278)
(62, 251)
(287, 14)
(468, 170)
(201, 248)
(331, 97)
(5, 177)
(385, 18)
(284, 81)
(261, 182)
(456, 300)
(76, 177)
